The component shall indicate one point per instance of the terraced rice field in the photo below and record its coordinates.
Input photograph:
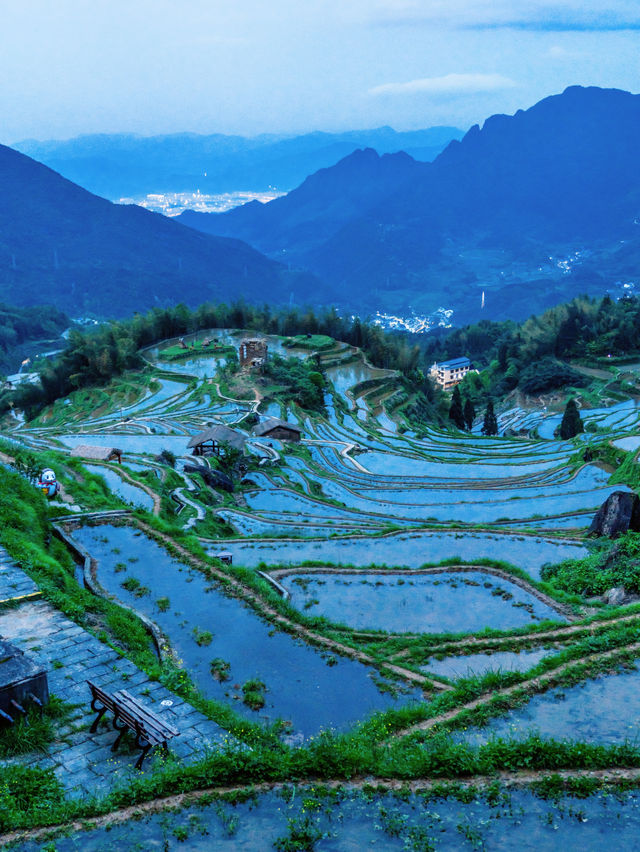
(376, 570)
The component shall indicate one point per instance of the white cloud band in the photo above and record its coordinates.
(449, 84)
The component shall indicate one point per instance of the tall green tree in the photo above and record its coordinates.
(571, 421)
(490, 425)
(456, 413)
(469, 413)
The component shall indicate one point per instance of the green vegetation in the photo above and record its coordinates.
(92, 358)
(179, 353)
(612, 564)
(28, 797)
(253, 693)
(295, 381)
(25, 327)
(34, 733)
(531, 355)
(456, 412)
(571, 424)
(312, 342)
(490, 423)
(220, 669)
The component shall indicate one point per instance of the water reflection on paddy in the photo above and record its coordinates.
(128, 492)
(303, 685)
(604, 710)
(410, 550)
(479, 664)
(349, 821)
(448, 602)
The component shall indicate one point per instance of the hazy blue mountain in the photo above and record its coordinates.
(309, 215)
(61, 245)
(120, 165)
(504, 210)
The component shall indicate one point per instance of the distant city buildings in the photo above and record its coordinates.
(450, 373)
(414, 324)
(174, 203)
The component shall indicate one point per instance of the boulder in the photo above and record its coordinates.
(615, 597)
(619, 513)
(213, 478)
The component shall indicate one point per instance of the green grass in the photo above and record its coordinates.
(177, 353)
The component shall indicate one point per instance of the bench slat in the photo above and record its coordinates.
(147, 716)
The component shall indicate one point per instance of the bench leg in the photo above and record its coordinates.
(144, 747)
(121, 729)
(96, 721)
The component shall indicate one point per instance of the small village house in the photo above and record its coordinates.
(104, 454)
(450, 373)
(278, 430)
(211, 442)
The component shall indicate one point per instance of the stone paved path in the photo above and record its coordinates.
(83, 762)
(14, 583)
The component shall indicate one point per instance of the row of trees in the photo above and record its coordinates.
(464, 415)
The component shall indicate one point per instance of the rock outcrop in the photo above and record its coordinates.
(619, 513)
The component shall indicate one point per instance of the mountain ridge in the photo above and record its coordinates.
(60, 244)
(503, 206)
(120, 165)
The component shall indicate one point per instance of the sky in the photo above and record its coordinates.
(69, 67)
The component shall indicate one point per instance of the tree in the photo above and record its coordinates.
(455, 411)
(571, 421)
(469, 413)
(490, 425)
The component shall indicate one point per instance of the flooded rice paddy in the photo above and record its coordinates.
(308, 688)
(409, 550)
(480, 664)
(356, 493)
(128, 492)
(605, 710)
(350, 822)
(445, 602)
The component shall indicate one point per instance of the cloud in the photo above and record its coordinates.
(452, 84)
(562, 23)
(533, 16)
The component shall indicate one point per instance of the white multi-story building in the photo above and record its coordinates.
(450, 373)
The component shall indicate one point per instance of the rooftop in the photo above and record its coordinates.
(221, 435)
(272, 423)
(453, 363)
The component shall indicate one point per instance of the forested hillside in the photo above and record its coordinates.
(22, 328)
(532, 355)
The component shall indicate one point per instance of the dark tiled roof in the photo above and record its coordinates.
(220, 434)
(272, 423)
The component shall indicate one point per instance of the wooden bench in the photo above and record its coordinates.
(129, 714)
